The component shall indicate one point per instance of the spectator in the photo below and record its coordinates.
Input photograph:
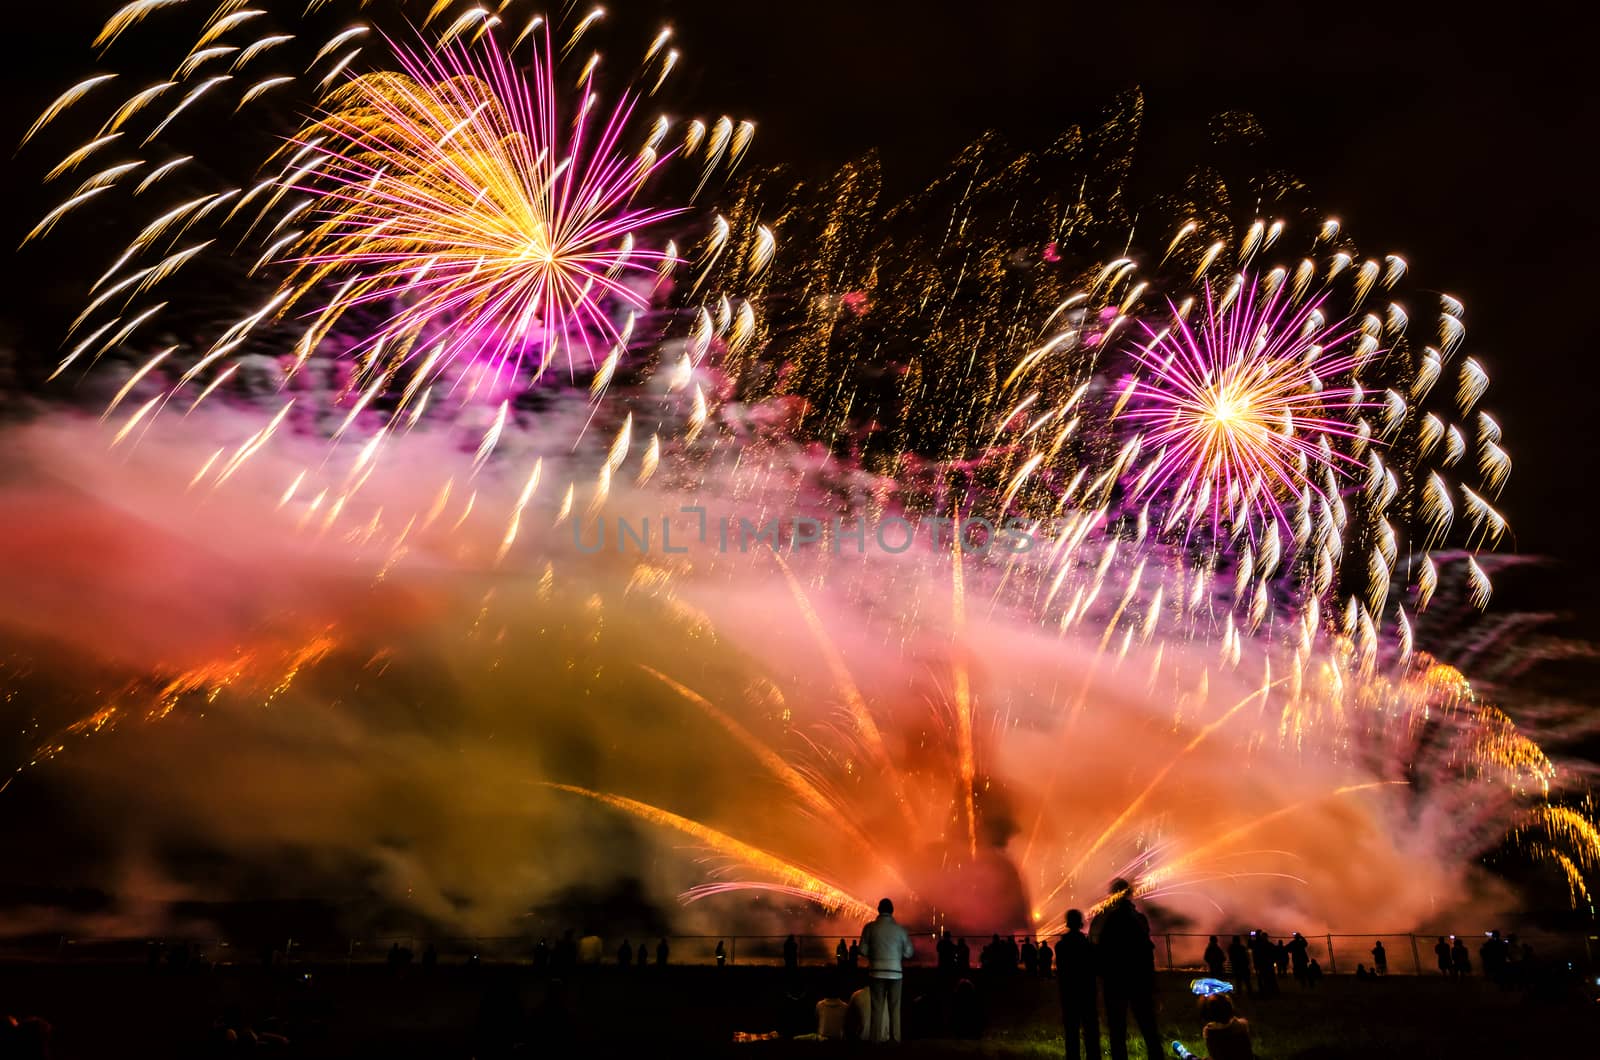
(721, 953)
(1313, 973)
(1216, 960)
(1299, 953)
(831, 1013)
(1080, 1022)
(841, 954)
(565, 957)
(662, 952)
(791, 953)
(1227, 1036)
(1460, 960)
(886, 945)
(859, 1024)
(1239, 963)
(963, 955)
(1127, 967)
(1442, 953)
(946, 950)
(1030, 958)
(643, 955)
(541, 956)
(1492, 954)
(855, 953)
(1380, 959)
(1046, 959)
(1264, 955)
(625, 955)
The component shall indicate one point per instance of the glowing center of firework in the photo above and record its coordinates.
(1227, 411)
(539, 247)
(1236, 420)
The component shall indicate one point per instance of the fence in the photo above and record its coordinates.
(1408, 954)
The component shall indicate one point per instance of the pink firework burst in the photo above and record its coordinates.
(457, 196)
(1246, 408)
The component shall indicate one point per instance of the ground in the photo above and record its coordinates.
(364, 1010)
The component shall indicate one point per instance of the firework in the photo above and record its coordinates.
(1240, 410)
(1244, 466)
(1237, 454)
(467, 211)
(456, 187)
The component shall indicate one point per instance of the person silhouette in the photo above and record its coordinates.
(662, 952)
(841, 954)
(1216, 960)
(990, 959)
(1299, 953)
(1227, 1037)
(642, 956)
(963, 955)
(1442, 953)
(541, 955)
(946, 950)
(566, 955)
(791, 953)
(1030, 958)
(625, 954)
(855, 953)
(1127, 964)
(1492, 959)
(1380, 959)
(1264, 955)
(1239, 964)
(1075, 980)
(1046, 959)
(886, 945)
(1460, 959)
(721, 953)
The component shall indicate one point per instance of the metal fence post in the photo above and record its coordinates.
(1416, 956)
(1333, 966)
(1169, 952)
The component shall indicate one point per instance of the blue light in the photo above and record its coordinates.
(1208, 987)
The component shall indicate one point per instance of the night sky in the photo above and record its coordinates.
(1457, 135)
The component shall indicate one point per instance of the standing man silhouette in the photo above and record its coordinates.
(1075, 978)
(1127, 971)
(885, 945)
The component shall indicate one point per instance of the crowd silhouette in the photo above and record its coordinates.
(1100, 964)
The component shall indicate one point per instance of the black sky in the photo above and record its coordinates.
(1459, 135)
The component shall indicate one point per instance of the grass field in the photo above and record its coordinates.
(334, 1011)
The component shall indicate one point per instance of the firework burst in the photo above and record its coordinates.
(454, 190)
(462, 216)
(1240, 409)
